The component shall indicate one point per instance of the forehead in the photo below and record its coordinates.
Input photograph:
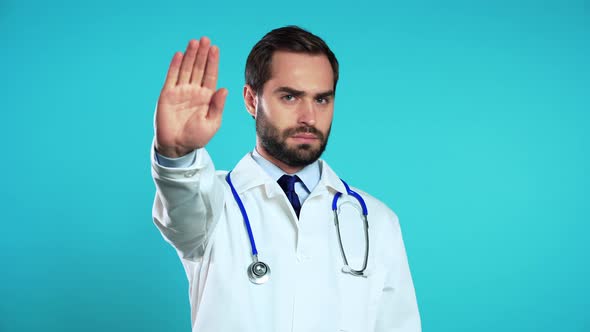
(301, 71)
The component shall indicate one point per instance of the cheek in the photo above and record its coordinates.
(324, 120)
(282, 117)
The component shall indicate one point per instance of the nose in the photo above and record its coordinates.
(307, 113)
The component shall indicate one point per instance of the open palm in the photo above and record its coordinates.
(189, 108)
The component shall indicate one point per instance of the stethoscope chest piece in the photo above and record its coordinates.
(258, 272)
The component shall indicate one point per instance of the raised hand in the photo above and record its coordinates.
(189, 108)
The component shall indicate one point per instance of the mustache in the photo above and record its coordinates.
(304, 130)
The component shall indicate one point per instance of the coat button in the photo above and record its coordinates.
(301, 257)
(189, 173)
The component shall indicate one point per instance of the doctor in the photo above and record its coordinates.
(261, 246)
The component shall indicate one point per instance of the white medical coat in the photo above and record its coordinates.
(307, 290)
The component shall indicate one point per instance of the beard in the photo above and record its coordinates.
(274, 142)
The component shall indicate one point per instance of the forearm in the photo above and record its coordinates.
(188, 203)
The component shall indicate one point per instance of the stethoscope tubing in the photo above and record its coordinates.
(258, 278)
(365, 213)
(244, 215)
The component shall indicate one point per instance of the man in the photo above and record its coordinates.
(279, 201)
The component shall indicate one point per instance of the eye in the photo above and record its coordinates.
(288, 97)
(322, 100)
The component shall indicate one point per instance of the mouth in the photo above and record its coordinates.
(305, 138)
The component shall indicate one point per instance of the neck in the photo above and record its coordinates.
(284, 167)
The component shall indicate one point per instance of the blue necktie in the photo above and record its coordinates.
(287, 183)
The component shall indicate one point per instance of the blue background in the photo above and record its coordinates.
(470, 119)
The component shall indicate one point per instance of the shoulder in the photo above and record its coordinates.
(377, 209)
(382, 219)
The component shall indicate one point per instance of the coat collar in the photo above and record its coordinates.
(248, 174)
(309, 175)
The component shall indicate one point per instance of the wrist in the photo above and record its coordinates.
(172, 152)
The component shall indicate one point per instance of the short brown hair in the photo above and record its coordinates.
(291, 39)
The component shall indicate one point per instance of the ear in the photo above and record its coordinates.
(250, 100)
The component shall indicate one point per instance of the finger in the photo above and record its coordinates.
(188, 61)
(200, 61)
(172, 75)
(217, 103)
(210, 76)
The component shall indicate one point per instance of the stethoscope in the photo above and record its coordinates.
(259, 272)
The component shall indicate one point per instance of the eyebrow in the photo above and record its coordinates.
(298, 93)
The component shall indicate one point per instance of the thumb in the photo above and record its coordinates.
(217, 103)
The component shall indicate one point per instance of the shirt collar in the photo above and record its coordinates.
(309, 175)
